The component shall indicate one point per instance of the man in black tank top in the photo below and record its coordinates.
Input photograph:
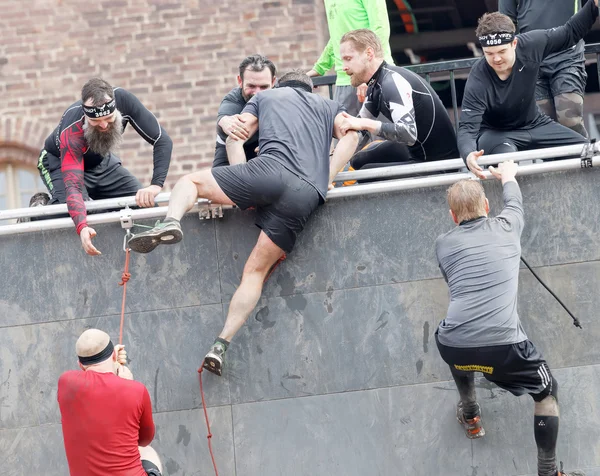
(419, 128)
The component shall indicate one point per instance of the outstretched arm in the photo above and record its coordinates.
(563, 37)
(235, 146)
(149, 129)
(403, 128)
(348, 141)
(72, 148)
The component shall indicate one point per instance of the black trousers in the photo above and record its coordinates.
(551, 134)
(109, 179)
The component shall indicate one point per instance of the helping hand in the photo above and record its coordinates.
(350, 123)
(145, 196)
(86, 236)
(473, 165)
(506, 170)
(234, 127)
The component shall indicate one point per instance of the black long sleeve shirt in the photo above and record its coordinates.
(492, 103)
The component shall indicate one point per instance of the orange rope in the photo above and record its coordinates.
(124, 278)
(277, 263)
(207, 422)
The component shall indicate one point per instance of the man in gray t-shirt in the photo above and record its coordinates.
(285, 184)
(479, 260)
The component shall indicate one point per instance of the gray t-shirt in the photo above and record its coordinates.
(480, 262)
(296, 128)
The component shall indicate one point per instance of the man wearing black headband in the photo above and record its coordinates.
(78, 161)
(106, 416)
(561, 83)
(418, 127)
(285, 183)
(256, 74)
(499, 112)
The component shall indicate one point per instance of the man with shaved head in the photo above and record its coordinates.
(106, 416)
(482, 332)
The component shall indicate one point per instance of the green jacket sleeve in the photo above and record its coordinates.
(379, 23)
(325, 61)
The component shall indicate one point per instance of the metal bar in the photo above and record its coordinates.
(442, 66)
(100, 218)
(454, 164)
(343, 192)
(393, 171)
(454, 101)
(448, 179)
(50, 210)
(597, 64)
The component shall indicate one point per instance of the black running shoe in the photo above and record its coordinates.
(163, 233)
(213, 362)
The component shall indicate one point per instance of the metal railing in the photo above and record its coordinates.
(587, 156)
(429, 70)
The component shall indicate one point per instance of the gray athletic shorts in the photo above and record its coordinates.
(283, 201)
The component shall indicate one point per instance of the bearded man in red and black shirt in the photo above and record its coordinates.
(78, 161)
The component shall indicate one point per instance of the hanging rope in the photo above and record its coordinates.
(576, 322)
(277, 263)
(209, 436)
(124, 278)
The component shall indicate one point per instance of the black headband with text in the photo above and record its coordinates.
(495, 39)
(96, 112)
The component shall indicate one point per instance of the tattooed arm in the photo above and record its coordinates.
(72, 148)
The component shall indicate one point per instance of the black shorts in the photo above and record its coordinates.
(561, 79)
(283, 201)
(150, 468)
(518, 368)
(109, 179)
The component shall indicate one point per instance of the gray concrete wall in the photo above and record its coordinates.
(336, 373)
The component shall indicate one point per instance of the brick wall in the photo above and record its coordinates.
(178, 56)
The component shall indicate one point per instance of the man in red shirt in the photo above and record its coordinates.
(106, 416)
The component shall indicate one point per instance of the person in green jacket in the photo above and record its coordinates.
(344, 16)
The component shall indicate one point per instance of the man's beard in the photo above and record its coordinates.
(105, 142)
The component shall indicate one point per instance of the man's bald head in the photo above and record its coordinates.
(91, 342)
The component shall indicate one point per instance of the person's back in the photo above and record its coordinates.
(296, 128)
(480, 261)
(436, 139)
(104, 420)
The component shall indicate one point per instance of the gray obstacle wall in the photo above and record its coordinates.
(336, 372)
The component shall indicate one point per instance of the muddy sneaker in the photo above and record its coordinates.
(38, 200)
(213, 362)
(163, 233)
(473, 427)
(572, 473)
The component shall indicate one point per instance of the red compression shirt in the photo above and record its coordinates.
(104, 420)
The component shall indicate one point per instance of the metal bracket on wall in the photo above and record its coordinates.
(210, 211)
(588, 153)
(126, 218)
